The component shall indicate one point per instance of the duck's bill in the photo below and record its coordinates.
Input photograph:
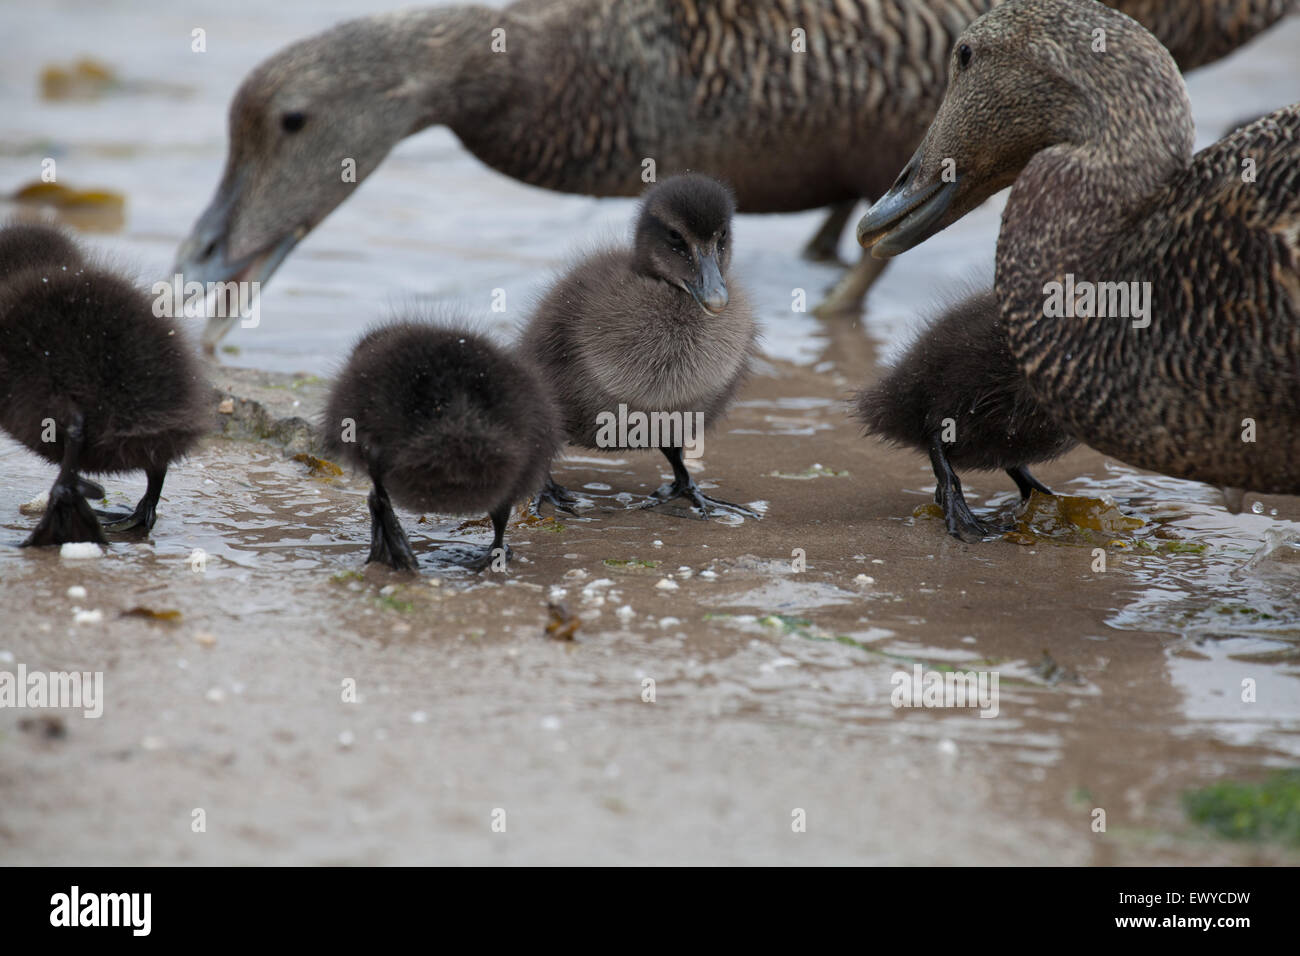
(904, 217)
(215, 267)
(709, 288)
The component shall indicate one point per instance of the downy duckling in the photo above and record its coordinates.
(92, 380)
(443, 421)
(655, 329)
(1151, 295)
(958, 395)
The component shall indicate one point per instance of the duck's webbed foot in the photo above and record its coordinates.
(388, 543)
(68, 516)
(959, 519)
(1027, 483)
(559, 498)
(498, 554)
(825, 245)
(684, 486)
(146, 511)
(851, 290)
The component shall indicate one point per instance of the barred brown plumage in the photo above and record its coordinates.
(579, 93)
(1203, 382)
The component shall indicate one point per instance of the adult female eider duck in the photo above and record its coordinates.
(91, 380)
(654, 329)
(444, 421)
(1151, 295)
(958, 396)
(810, 104)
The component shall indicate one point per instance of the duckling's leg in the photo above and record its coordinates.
(91, 490)
(852, 288)
(388, 544)
(67, 516)
(684, 486)
(498, 548)
(1027, 483)
(962, 523)
(146, 511)
(559, 497)
(825, 245)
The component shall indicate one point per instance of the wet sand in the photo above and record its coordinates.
(772, 686)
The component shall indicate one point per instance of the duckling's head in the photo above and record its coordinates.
(26, 244)
(683, 237)
(1032, 75)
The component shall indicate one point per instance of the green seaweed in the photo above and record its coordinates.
(1259, 812)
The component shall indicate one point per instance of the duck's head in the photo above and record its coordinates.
(1029, 76)
(683, 237)
(309, 124)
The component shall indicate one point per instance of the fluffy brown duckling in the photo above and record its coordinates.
(657, 328)
(443, 421)
(91, 380)
(958, 395)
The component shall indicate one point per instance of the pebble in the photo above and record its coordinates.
(88, 617)
(77, 592)
(79, 550)
(667, 584)
(625, 613)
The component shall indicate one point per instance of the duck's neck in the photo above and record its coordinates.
(1073, 199)
(436, 66)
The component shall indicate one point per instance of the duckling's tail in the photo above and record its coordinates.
(467, 451)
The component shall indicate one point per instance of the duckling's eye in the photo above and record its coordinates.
(963, 56)
(722, 236)
(292, 122)
(676, 241)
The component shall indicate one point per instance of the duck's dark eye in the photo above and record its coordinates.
(676, 241)
(292, 122)
(722, 235)
(963, 56)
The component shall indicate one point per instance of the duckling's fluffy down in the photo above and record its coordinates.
(455, 424)
(961, 368)
(83, 340)
(24, 245)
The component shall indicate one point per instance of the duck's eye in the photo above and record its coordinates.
(963, 56)
(292, 122)
(676, 241)
(722, 235)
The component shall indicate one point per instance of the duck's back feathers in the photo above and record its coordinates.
(959, 380)
(1211, 389)
(26, 245)
(87, 342)
(452, 423)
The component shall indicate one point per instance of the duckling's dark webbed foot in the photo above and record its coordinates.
(90, 490)
(68, 518)
(1027, 483)
(498, 554)
(559, 498)
(145, 513)
(388, 543)
(959, 519)
(684, 486)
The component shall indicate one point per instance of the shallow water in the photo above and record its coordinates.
(773, 684)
